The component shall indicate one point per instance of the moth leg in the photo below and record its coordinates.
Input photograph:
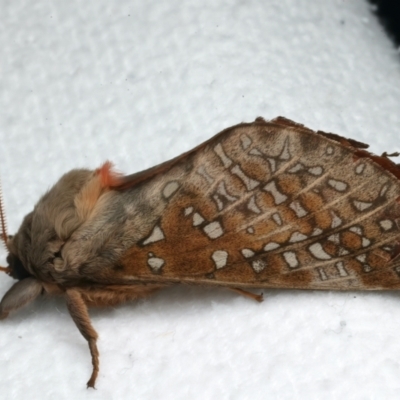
(79, 313)
(256, 297)
(20, 294)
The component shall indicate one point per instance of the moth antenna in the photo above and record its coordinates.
(3, 229)
(3, 219)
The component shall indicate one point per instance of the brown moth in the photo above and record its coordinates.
(259, 205)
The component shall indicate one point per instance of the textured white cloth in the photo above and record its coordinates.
(139, 82)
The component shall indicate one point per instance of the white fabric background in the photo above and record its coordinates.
(141, 82)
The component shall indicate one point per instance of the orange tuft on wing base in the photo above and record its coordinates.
(108, 176)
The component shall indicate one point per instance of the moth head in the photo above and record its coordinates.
(36, 249)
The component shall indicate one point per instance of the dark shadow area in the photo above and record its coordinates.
(388, 12)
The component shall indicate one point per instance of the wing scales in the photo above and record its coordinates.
(274, 205)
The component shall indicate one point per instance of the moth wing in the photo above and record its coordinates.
(272, 204)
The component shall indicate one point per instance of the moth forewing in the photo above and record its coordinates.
(259, 205)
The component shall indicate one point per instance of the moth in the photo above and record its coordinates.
(259, 205)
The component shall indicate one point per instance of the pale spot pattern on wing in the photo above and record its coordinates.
(250, 230)
(155, 236)
(255, 152)
(386, 224)
(277, 218)
(317, 171)
(356, 229)
(226, 161)
(271, 246)
(361, 205)
(272, 164)
(203, 173)
(297, 237)
(316, 232)
(360, 169)
(170, 188)
(337, 185)
(252, 205)
(365, 242)
(341, 269)
(285, 154)
(246, 142)
(220, 258)
(362, 259)
(188, 211)
(197, 219)
(383, 190)
(249, 182)
(279, 197)
(298, 167)
(291, 259)
(222, 192)
(336, 221)
(298, 209)
(322, 274)
(258, 265)
(155, 263)
(329, 150)
(213, 230)
(335, 238)
(318, 252)
(247, 253)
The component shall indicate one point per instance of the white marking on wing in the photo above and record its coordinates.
(318, 252)
(276, 194)
(247, 253)
(156, 235)
(155, 263)
(285, 154)
(386, 224)
(360, 169)
(340, 267)
(356, 229)
(226, 161)
(246, 142)
(365, 242)
(298, 167)
(170, 188)
(255, 152)
(337, 185)
(336, 221)
(316, 232)
(298, 208)
(258, 265)
(250, 230)
(188, 211)
(361, 205)
(249, 182)
(197, 219)
(291, 259)
(252, 205)
(315, 170)
(271, 246)
(383, 190)
(297, 237)
(322, 274)
(277, 218)
(220, 258)
(203, 172)
(334, 238)
(213, 230)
